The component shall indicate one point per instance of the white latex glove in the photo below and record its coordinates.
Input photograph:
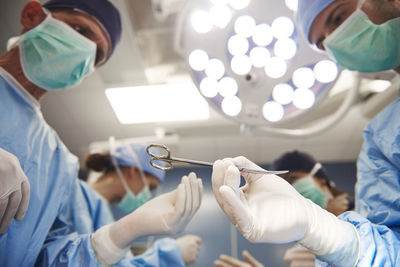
(189, 246)
(168, 213)
(269, 209)
(14, 190)
(299, 256)
(228, 261)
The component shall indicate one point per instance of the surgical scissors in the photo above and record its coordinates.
(165, 157)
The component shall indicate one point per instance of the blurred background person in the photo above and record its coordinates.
(127, 181)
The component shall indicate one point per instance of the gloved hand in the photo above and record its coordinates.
(189, 246)
(14, 190)
(168, 213)
(299, 256)
(268, 209)
(228, 261)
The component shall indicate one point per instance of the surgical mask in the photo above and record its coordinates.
(54, 56)
(130, 202)
(307, 187)
(359, 44)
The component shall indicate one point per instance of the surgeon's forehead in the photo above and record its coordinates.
(89, 27)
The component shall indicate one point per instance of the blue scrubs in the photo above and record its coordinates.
(62, 212)
(378, 191)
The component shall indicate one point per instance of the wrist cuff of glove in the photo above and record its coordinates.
(330, 239)
(106, 251)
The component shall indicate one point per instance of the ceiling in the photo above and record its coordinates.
(83, 115)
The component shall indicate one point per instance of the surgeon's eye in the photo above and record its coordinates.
(320, 43)
(152, 187)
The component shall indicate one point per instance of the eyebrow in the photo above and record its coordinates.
(330, 17)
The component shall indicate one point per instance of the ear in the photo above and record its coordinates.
(32, 15)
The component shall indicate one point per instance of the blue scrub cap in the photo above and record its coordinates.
(297, 161)
(307, 11)
(125, 158)
(102, 10)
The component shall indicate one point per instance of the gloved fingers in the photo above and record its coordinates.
(232, 178)
(195, 193)
(236, 210)
(180, 200)
(188, 199)
(218, 175)
(298, 254)
(12, 206)
(23, 206)
(250, 259)
(245, 163)
(200, 184)
(221, 263)
(300, 263)
(231, 260)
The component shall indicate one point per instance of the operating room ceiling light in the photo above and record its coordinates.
(303, 98)
(241, 64)
(275, 67)
(227, 86)
(238, 45)
(303, 77)
(291, 4)
(326, 71)
(245, 26)
(215, 69)
(231, 106)
(220, 15)
(273, 111)
(262, 35)
(201, 21)
(282, 27)
(198, 60)
(239, 4)
(209, 87)
(131, 104)
(285, 48)
(259, 56)
(283, 93)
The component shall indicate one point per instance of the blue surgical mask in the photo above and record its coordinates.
(55, 56)
(130, 202)
(359, 44)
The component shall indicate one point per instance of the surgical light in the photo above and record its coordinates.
(227, 86)
(241, 64)
(239, 4)
(219, 2)
(209, 87)
(291, 4)
(215, 69)
(198, 60)
(201, 21)
(245, 26)
(238, 45)
(262, 35)
(273, 111)
(283, 93)
(303, 77)
(325, 71)
(258, 56)
(303, 98)
(285, 48)
(275, 67)
(221, 15)
(282, 27)
(231, 106)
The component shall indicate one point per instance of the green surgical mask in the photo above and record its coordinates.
(359, 44)
(308, 188)
(130, 202)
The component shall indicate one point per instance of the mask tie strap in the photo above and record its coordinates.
(315, 169)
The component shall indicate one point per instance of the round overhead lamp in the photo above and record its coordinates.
(227, 86)
(262, 35)
(241, 64)
(220, 15)
(326, 71)
(209, 87)
(275, 67)
(273, 111)
(201, 21)
(238, 45)
(285, 48)
(198, 60)
(282, 27)
(215, 69)
(259, 56)
(283, 93)
(245, 26)
(231, 105)
(303, 77)
(239, 4)
(303, 98)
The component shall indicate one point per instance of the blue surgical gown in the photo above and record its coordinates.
(62, 213)
(378, 191)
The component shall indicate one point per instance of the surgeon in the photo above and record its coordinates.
(363, 36)
(127, 180)
(62, 42)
